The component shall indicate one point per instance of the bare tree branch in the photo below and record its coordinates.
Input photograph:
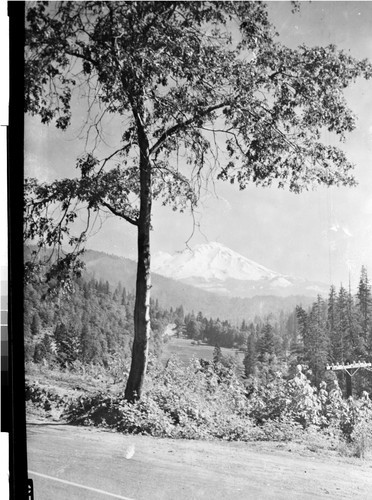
(122, 215)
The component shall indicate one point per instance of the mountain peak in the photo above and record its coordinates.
(216, 268)
(210, 261)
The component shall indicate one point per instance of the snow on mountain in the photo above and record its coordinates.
(211, 261)
(218, 269)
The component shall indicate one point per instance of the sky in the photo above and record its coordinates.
(323, 235)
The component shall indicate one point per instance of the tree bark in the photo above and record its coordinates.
(349, 385)
(142, 326)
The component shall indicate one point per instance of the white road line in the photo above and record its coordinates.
(79, 485)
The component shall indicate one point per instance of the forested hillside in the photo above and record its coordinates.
(93, 323)
(89, 323)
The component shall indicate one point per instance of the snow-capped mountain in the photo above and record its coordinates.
(219, 269)
(210, 261)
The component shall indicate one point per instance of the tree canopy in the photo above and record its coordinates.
(200, 89)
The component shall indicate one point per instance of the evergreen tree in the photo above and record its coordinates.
(266, 345)
(39, 352)
(43, 350)
(340, 347)
(244, 327)
(193, 328)
(85, 343)
(124, 297)
(364, 303)
(250, 358)
(180, 313)
(302, 323)
(332, 323)
(67, 343)
(217, 354)
(180, 327)
(354, 331)
(35, 324)
(316, 344)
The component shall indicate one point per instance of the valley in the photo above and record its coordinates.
(186, 349)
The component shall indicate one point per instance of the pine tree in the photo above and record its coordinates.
(124, 298)
(85, 340)
(316, 344)
(250, 358)
(180, 313)
(35, 324)
(244, 327)
(364, 303)
(340, 347)
(67, 343)
(39, 352)
(217, 354)
(354, 331)
(266, 345)
(193, 328)
(332, 323)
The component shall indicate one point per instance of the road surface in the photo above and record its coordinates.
(67, 462)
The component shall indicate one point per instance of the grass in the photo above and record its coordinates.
(186, 350)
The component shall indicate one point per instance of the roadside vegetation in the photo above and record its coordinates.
(205, 400)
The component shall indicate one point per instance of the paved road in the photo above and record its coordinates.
(69, 462)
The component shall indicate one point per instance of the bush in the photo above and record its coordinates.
(201, 401)
(43, 398)
(206, 400)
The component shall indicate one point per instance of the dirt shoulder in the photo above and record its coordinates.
(168, 469)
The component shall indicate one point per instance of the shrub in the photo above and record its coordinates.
(43, 398)
(206, 400)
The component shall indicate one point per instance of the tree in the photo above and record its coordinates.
(316, 343)
(364, 301)
(43, 350)
(193, 328)
(332, 323)
(250, 358)
(354, 336)
(217, 354)
(340, 347)
(67, 343)
(266, 344)
(186, 81)
(35, 324)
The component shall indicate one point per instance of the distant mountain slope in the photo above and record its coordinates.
(218, 269)
(172, 293)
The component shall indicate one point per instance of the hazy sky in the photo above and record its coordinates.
(320, 235)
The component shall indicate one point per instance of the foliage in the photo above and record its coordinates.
(180, 66)
(90, 325)
(43, 397)
(205, 400)
(337, 331)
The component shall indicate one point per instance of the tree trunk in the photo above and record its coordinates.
(349, 385)
(142, 327)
